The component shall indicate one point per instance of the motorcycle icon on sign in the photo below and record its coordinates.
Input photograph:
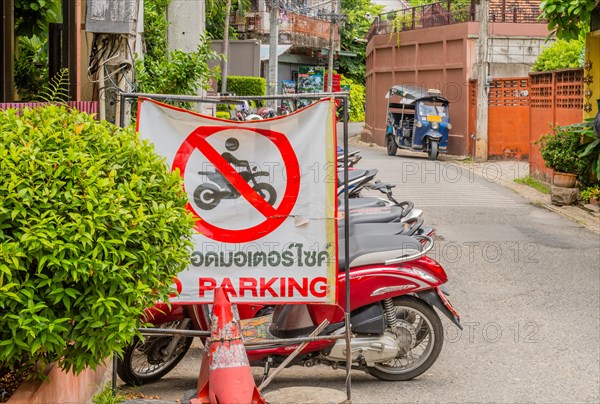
(208, 195)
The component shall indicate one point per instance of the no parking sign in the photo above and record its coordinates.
(264, 195)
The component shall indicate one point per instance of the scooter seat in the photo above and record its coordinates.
(358, 203)
(376, 214)
(355, 174)
(372, 250)
(375, 229)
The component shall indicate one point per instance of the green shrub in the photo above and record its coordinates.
(560, 150)
(590, 148)
(223, 114)
(560, 55)
(246, 85)
(590, 192)
(357, 99)
(93, 228)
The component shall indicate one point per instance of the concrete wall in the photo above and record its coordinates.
(514, 56)
(243, 57)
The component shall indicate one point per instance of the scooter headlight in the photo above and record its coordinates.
(449, 126)
(435, 125)
(418, 124)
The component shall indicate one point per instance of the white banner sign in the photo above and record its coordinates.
(264, 195)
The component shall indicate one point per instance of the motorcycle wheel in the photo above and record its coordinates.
(206, 196)
(143, 361)
(266, 191)
(420, 337)
(391, 146)
(433, 150)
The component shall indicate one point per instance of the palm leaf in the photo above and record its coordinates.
(57, 90)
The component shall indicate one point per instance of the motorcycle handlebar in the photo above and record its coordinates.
(417, 222)
(406, 206)
(413, 257)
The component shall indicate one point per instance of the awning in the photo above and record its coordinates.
(264, 50)
(339, 53)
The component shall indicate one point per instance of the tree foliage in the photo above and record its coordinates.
(33, 16)
(567, 19)
(215, 17)
(356, 26)
(175, 72)
(93, 228)
(561, 54)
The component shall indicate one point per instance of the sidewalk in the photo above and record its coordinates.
(505, 173)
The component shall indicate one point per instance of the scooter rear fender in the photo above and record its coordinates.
(370, 284)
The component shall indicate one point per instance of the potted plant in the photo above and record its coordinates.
(591, 195)
(560, 150)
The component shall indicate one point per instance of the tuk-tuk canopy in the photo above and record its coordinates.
(411, 94)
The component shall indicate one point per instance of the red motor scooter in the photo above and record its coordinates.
(396, 333)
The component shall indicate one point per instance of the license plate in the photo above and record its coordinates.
(434, 118)
(447, 303)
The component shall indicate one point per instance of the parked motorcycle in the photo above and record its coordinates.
(397, 334)
(353, 158)
(244, 112)
(266, 112)
(357, 180)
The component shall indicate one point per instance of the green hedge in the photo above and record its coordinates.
(246, 85)
(357, 99)
(560, 55)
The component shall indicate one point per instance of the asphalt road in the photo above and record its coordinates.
(525, 281)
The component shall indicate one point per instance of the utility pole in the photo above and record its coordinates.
(331, 49)
(334, 18)
(225, 48)
(481, 140)
(273, 39)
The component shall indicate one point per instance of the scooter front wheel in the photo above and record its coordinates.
(420, 337)
(143, 361)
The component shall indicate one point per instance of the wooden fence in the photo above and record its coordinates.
(522, 109)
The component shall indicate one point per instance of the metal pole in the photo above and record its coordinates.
(114, 375)
(347, 255)
(273, 39)
(122, 109)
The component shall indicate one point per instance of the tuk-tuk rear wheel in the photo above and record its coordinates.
(433, 150)
(391, 146)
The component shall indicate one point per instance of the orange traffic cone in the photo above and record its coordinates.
(225, 375)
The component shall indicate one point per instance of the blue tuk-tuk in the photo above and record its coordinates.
(417, 119)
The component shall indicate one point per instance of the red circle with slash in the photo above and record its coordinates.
(274, 217)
